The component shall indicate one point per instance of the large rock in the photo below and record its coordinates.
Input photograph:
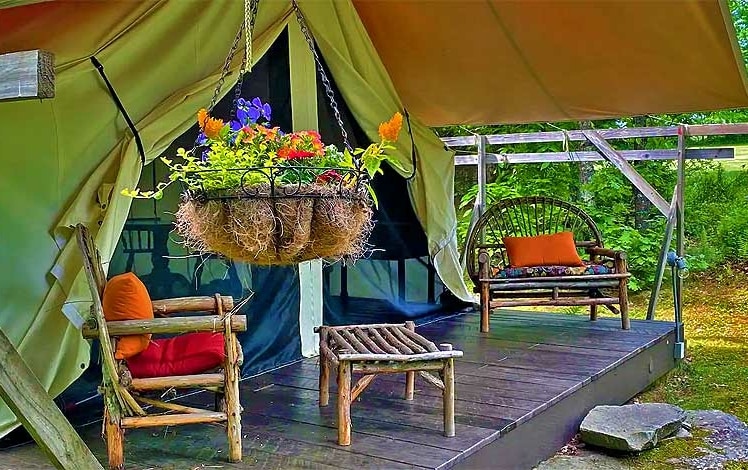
(631, 428)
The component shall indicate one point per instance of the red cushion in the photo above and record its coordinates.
(193, 353)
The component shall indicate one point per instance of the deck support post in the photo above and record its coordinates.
(324, 369)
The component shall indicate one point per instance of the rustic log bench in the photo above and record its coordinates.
(602, 280)
(382, 349)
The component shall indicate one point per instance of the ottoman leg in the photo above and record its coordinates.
(344, 403)
(448, 376)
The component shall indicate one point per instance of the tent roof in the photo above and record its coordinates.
(493, 61)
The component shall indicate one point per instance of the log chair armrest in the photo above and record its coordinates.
(166, 325)
(484, 265)
(206, 303)
(607, 252)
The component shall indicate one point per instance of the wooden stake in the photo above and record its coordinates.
(231, 388)
(593, 312)
(344, 403)
(623, 295)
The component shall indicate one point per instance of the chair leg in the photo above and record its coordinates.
(344, 403)
(410, 384)
(220, 402)
(593, 312)
(324, 369)
(485, 307)
(448, 377)
(233, 404)
(623, 298)
(324, 381)
(410, 377)
(115, 445)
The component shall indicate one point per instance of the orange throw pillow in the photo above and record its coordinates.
(126, 298)
(542, 250)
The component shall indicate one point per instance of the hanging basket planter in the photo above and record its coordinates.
(256, 194)
(286, 226)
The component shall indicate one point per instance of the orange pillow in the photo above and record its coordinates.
(542, 250)
(126, 298)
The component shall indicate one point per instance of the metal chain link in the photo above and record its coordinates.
(248, 25)
(325, 81)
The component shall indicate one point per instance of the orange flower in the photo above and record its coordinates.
(213, 127)
(391, 129)
(202, 117)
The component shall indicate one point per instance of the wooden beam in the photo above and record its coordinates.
(178, 381)
(27, 75)
(31, 404)
(190, 304)
(662, 258)
(628, 171)
(593, 156)
(608, 134)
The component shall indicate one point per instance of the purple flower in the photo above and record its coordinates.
(235, 126)
(204, 156)
(202, 139)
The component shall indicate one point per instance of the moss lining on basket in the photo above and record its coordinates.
(278, 230)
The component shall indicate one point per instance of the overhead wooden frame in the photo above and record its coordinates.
(672, 211)
(27, 75)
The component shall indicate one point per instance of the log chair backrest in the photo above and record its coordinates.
(96, 280)
(524, 217)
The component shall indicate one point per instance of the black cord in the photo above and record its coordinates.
(414, 150)
(121, 107)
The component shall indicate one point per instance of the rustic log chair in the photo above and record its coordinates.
(123, 393)
(603, 282)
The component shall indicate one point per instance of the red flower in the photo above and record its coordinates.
(292, 154)
(329, 176)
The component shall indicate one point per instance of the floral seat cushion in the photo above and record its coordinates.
(543, 271)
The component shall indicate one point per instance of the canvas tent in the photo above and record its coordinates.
(448, 62)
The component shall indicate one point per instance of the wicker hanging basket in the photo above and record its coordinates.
(285, 226)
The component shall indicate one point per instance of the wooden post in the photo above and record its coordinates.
(485, 292)
(231, 387)
(324, 368)
(448, 394)
(410, 377)
(344, 403)
(27, 75)
(25, 396)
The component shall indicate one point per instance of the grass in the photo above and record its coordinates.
(714, 374)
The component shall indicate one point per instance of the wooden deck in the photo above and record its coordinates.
(521, 389)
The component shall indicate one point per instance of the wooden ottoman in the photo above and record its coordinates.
(382, 349)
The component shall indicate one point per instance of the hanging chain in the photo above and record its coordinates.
(248, 25)
(225, 70)
(325, 81)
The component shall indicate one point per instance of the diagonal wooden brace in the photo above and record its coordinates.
(620, 162)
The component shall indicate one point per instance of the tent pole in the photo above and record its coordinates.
(662, 259)
(680, 242)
